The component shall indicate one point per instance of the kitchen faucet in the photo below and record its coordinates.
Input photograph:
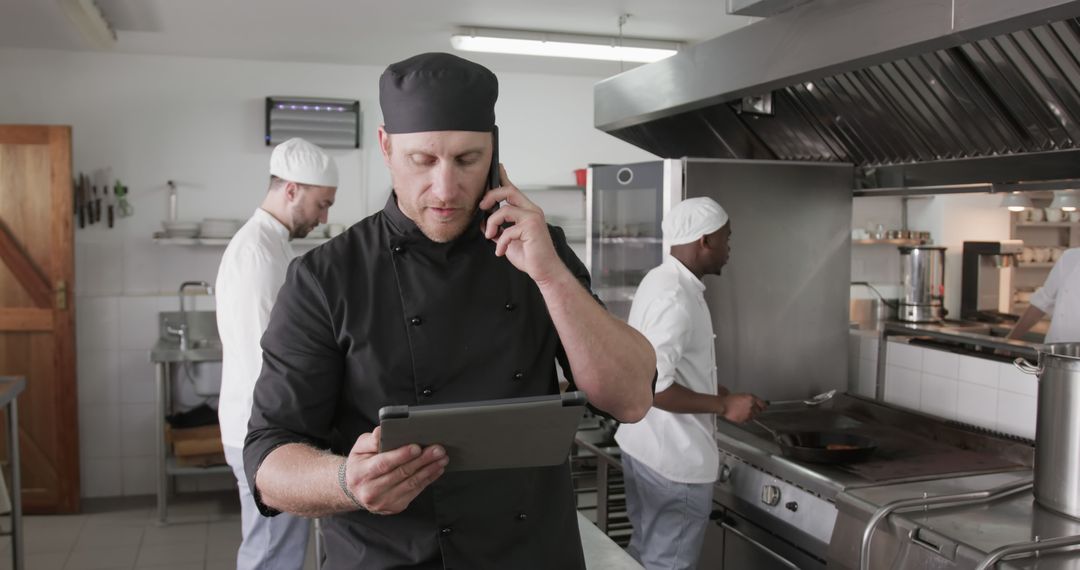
(209, 291)
(182, 330)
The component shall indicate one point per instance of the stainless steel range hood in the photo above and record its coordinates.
(936, 92)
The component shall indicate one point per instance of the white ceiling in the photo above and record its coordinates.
(359, 31)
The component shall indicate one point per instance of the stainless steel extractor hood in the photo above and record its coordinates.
(936, 92)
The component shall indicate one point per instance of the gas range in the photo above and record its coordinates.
(789, 509)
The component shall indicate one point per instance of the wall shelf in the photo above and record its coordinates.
(908, 242)
(1047, 224)
(222, 242)
(630, 240)
(1030, 276)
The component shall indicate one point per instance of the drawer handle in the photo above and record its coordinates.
(933, 542)
(760, 546)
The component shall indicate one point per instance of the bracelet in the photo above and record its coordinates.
(345, 488)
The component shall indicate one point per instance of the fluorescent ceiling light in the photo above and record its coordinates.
(1016, 202)
(91, 22)
(519, 42)
(1067, 200)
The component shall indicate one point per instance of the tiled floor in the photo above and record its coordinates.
(203, 534)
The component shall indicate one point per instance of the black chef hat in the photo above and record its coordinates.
(438, 92)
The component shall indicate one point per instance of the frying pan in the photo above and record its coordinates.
(813, 446)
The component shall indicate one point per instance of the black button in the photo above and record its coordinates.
(519, 375)
(397, 249)
(522, 516)
(427, 392)
(416, 321)
(445, 530)
(510, 306)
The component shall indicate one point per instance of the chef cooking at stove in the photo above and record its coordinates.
(1060, 298)
(670, 459)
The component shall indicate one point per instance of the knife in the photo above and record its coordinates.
(110, 200)
(99, 176)
(80, 199)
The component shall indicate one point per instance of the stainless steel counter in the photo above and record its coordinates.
(601, 553)
(973, 334)
(952, 537)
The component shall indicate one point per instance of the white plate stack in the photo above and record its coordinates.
(180, 229)
(218, 228)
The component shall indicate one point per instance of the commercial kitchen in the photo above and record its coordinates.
(902, 179)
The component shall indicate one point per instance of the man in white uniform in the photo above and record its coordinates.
(1060, 298)
(303, 182)
(670, 459)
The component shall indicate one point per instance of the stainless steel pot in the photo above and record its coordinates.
(922, 272)
(1057, 429)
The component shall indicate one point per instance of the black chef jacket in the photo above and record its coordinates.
(380, 316)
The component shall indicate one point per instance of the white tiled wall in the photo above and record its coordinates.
(986, 393)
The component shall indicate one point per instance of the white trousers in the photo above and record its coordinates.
(270, 543)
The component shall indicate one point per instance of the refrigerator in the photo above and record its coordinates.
(780, 307)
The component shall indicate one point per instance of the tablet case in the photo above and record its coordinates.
(493, 434)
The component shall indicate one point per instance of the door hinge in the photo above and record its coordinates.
(61, 295)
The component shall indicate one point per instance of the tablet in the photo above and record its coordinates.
(492, 434)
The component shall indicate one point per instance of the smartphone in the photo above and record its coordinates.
(493, 172)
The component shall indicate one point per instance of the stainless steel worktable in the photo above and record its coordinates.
(10, 388)
(601, 553)
(163, 355)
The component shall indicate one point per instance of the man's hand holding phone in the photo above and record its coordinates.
(520, 232)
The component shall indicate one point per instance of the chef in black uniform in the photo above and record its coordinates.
(431, 302)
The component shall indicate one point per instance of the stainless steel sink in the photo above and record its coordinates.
(203, 344)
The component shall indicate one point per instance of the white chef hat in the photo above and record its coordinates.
(297, 160)
(690, 219)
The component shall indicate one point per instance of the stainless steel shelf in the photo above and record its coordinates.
(1047, 224)
(624, 293)
(222, 242)
(910, 242)
(631, 240)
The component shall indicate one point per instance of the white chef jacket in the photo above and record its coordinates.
(669, 309)
(251, 272)
(1059, 297)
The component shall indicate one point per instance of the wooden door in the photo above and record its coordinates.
(37, 335)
